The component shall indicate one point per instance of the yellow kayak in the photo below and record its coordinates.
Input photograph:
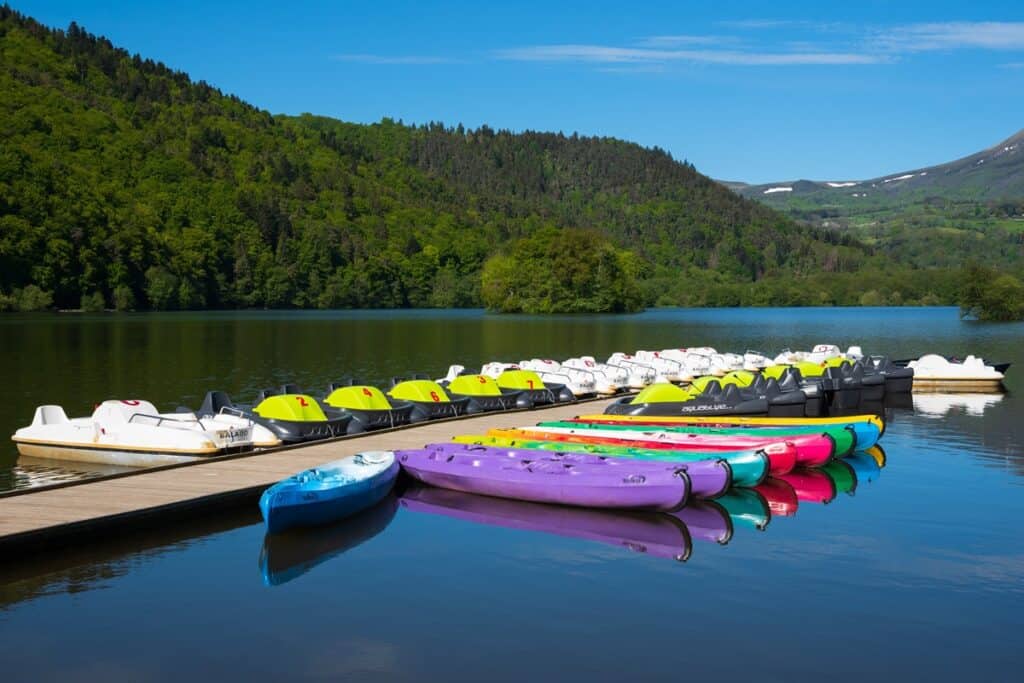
(873, 420)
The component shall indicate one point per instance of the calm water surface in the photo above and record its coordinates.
(918, 573)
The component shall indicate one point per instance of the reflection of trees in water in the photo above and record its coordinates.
(93, 567)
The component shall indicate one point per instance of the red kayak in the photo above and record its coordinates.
(811, 486)
(781, 497)
(812, 450)
(782, 455)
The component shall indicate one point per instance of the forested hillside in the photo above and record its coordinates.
(124, 183)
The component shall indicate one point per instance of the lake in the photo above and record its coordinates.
(917, 572)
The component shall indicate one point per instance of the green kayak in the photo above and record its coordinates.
(842, 475)
(746, 508)
(749, 468)
(844, 436)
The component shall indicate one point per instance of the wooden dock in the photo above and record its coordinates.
(81, 511)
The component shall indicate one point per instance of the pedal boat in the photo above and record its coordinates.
(367, 407)
(131, 433)
(292, 416)
(533, 391)
(936, 373)
(429, 399)
(483, 392)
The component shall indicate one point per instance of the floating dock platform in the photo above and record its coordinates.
(55, 516)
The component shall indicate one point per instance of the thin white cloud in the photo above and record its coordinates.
(681, 40)
(394, 59)
(983, 35)
(607, 54)
(1013, 65)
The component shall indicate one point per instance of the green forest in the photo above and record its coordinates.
(126, 185)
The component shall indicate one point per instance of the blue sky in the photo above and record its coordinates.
(749, 91)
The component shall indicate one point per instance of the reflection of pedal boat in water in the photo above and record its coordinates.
(292, 416)
(706, 521)
(940, 404)
(780, 496)
(132, 433)
(288, 555)
(657, 534)
(747, 507)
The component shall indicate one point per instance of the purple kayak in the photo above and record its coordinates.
(707, 521)
(708, 478)
(652, 533)
(548, 481)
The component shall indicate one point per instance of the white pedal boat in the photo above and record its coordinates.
(669, 368)
(580, 382)
(936, 373)
(608, 379)
(132, 433)
(641, 374)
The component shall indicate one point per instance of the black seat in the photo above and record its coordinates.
(731, 395)
(343, 382)
(787, 382)
(291, 389)
(214, 401)
(264, 394)
(771, 388)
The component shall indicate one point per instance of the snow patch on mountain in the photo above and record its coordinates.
(771, 190)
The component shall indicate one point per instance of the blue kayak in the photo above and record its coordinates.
(330, 492)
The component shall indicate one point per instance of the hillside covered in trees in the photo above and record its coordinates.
(125, 184)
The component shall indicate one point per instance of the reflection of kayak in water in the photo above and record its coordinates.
(877, 453)
(747, 508)
(811, 486)
(653, 533)
(842, 476)
(706, 521)
(864, 466)
(292, 553)
(781, 497)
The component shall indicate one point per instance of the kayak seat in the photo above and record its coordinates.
(214, 401)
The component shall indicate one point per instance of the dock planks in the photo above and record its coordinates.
(84, 510)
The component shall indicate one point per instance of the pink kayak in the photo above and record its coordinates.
(812, 450)
(811, 486)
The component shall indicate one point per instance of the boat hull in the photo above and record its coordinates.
(111, 456)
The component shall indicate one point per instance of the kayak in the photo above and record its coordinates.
(549, 482)
(781, 497)
(844, 435)
(652, 533)
(781, 454)
(749, 468)
(706, 520)
(330, 492)
(812, 486)
(287, 556)
(747, 508)
(869, 428)
(708, 478)
(812, 450)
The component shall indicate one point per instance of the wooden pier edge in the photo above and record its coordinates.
(74, 513)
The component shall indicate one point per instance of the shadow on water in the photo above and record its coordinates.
(90, 567)
(288, 555)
